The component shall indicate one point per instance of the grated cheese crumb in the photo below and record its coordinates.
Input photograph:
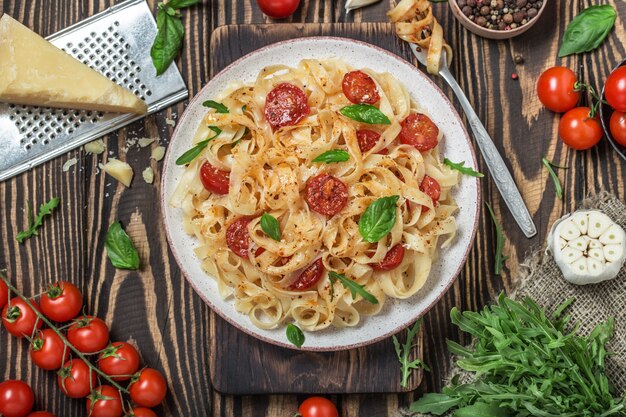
(96, 147)
(158, 153)
(69, 163)
(170, 122)
(143, 142)
(148, 175)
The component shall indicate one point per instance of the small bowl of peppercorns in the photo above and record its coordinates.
(497, 19)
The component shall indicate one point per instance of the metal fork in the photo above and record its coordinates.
(499, 172)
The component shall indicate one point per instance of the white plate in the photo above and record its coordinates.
(397, 314)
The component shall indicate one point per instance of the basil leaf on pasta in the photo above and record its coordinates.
(351, 286)
(378, 219)
(193, 153)
(365, 113)
(219, 107)
(270, 226)
(295, 335)
(334, 155)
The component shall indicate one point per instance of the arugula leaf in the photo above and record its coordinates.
(169, 38)
(334, 155)
(557, 183)
(295, 335)
(350, 285)
(35, 223)
(437, 404)
(270, 226)
(193, 153)
(219, 107)
(500, 258)
(481, 409)
(120, 248)
(459, 166)
(365, 113)
(588, 30)
(403, 352)
(378, 219)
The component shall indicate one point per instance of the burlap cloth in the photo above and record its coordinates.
(541, 279)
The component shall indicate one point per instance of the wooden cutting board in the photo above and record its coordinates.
(241, 364)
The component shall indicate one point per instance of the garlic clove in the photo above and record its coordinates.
(597, 254)
(613, 253)
(594, 243)
(614, 235)
(581, 220)
(580, 243)
(598, 224)
(562, 242)
(570, 255)
(569, 231)
(579, 267)
(594, 267)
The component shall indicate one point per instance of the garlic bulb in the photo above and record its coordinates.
(587, 246)
(355, 4)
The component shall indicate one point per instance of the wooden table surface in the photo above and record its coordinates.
(157, 309)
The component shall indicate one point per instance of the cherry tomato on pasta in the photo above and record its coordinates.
(578, 130)
(147, 388)
(368, 139)
(286, 105)
(278, 9)
(16, 399)
(431, 187)
(88, 334)
(214, 180)
(62, 302)
(318, 407)
(615, 89)
(618, 127)
(119, 360)
(4, 294)
(48, 351)
(419, 131)
(309, 276)
(104, 401)
(359, 88)
(19, 319)
(392, 259)
(556, 90)
(326, 194)
(75, 378)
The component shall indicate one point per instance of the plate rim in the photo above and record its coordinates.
(444, 289)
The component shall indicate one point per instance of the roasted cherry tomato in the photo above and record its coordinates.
(309, 276)
(318, 407)
(140, 412)
(62, 302)
(119, 360)
(615, 89)
(556, 89)
(286, 105)
(392, 259)
(16, 399)
(104, 401)
(326, 194)
(578, 130)
(19, 319)
(618, 127)
(41, 414)
(147, 388)
(4, 294)
(368, 139)
(88, 334)
(48, 351)
(278, 9)
(214, 180)
(431, 187)
(76, 378)
(360, 88)
(419, 131)
(238, 238)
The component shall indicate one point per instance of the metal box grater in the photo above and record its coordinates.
(116, 43)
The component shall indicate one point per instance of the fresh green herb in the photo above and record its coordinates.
(193, 153)
(35, 222)
(270, 226)
(295, 335)
(526, 363)
(378, 219)
(334, 155)
(557, 183)
(588, 30)
(350, 285)
(500, 258)
(404, 351)
(460, 166)
(181, 4)
(120, 248)
(219, 107)
(365, 113)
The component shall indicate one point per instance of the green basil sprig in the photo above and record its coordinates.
(193, 153)
(35, 222)
(295, 335)
(350, 285)
(219, 107)
(334, 155)
(588, 30)
(378, 219)
(120, 248)
(270, 226)
(365, 113)
(460, 166)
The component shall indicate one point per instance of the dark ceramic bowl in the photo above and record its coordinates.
(605, 116)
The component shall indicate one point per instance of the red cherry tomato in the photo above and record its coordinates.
(326, 194)
(16, 399)
(214, 180)
(88, 334)
(48, 351)
(278, 9)
(556, 90)
(104, 401)
(119, 358)
(392, 259)
(76, 379)
(359, 87)
(141, 412)
(309, 277)
(41, 414)
(62, 302)
(578, 130)
(615, 89)
(4, 294)
(286, 105)
(368, 139)
(238, 238)
(419, 131)
(318, 407)
(19, 319)
(431, 187)
(147, 388)
(618, 127)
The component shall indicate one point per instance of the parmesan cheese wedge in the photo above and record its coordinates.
(35, 72)
(119, 170)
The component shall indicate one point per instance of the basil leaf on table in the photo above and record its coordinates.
(588, 30)
(295, 335)
(350, 285)
(36, 222)
(169, 38)
(378, 219)
(193, 153)
(120, 248)
(460, 166)
(270, 226)
(334, 155)
(365, 113)
(219, 107)
(181, 4)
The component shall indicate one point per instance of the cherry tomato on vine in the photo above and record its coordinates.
(278, 9)
(615, 89)
(41, 414)
(147, 388)
(88, 334)
(104, 401)
(618, 127)
(61, 302)
(75, 378)
(578, 130)
(16, 399)
(140, 412)
(119, 358)
(19, 319)
(318, 407)
(556, 89)
(4, 294)
(48, 351)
